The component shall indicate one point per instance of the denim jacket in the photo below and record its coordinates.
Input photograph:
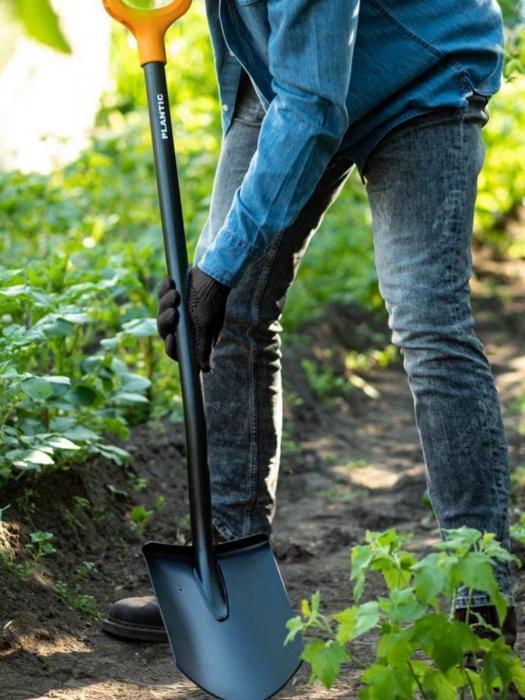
(334, 76)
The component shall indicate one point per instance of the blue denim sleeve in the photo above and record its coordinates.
(310, 48)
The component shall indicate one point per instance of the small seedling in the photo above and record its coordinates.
(140, 517)
(87, 605)
(85, 570)
(160, 504)
(41, 545)
(25, 503)
(62, 590)
(116, 493)
(84, 603)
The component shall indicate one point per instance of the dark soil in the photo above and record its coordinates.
(351, 463)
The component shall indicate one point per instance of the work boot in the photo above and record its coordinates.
(138, 619)
(508, 628)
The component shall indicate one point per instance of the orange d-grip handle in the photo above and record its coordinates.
(148, 26)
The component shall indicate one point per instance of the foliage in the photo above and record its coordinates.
(40, 22)
(420, 648)
(60, 392)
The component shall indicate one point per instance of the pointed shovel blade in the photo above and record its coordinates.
(243, 657)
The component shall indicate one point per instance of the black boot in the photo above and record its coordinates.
(136, 619)
(139, 619)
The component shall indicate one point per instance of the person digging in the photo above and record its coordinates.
(310, 90)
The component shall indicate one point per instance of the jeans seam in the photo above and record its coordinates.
(460, 212)
(254, 320)
(499, 480)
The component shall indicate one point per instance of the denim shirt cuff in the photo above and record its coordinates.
(225, 263)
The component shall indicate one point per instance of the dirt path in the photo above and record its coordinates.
(357, 465)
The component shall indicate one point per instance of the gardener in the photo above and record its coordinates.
(308, 89)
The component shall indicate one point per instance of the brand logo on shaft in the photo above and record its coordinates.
(161, 104)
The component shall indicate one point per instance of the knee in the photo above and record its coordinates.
(250, 328)
(435, 337)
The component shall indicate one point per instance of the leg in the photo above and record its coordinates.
(421, 183)
(243, 391)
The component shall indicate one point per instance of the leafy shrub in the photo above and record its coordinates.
(420, 650)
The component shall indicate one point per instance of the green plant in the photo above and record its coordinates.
(323, 379)
(25, 503)
(41, 545)
(140, 517)
(421, 648)
(83, 602)
(87, 605)
(85, 570)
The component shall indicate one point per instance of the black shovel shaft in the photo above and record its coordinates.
(177, 262)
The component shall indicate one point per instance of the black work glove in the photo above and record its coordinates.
(206, 307)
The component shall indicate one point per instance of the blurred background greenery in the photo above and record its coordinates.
(81, 250)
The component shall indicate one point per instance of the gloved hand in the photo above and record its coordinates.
(206, 306)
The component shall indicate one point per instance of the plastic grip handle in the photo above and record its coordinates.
(148, 26)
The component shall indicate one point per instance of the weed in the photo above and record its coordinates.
(140, 517)
(41, 545)
(85, 570)
(84, 603)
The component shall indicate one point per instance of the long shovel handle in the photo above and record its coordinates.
(192, 394)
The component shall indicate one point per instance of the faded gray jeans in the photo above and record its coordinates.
(421, 182)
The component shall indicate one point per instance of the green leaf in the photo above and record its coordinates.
(126, 397)
(325, 658)
(134, 382)
(443, 640)
(62, 443)
(41, 23)
(389, 682)
(356, 621)
(141, 327)
(294, 626)
(82, 434)
(402, 606)
(395, 648)
(442, 685)
(57, 379)
(112, 452)
(81, 395)
(430, 577)
(361, 557)
(35, 457)
(305, 608)
(37, 388)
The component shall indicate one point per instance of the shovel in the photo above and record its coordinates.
(224, 607)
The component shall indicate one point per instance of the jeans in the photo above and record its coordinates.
(421, 183)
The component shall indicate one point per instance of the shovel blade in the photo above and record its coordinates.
(242, 657)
